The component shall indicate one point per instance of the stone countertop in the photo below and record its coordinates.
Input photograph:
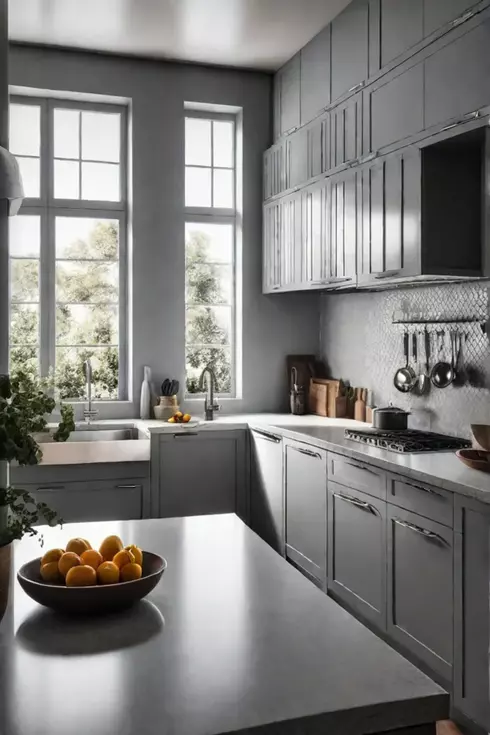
(233, 638)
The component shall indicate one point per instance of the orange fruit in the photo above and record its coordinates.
(186, 418)
(52, 555)
(108, 573)
(171, 420)
(92, 558)
(123, 557)
(81, 576)
(179, 415)
(50, 573)
(67, 561)
(130, 572)
(89, 545)
(77, 545)
(137, 553)
(110, 546)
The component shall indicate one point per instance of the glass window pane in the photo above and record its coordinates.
(83, 282)
(24, 235)
(29, 170)
(197, 142)
(207, 284)
(209, 242)
(25, 358)
(101, 136)
(24, 280)
(24, 324)
(70, 378)
(223, 188)
(25, 130)
(100, 181)
(67, 134)
(82, 238)
(197, 187)
(223, 144)
(83, 324)
(208, 325)
(66, 180)
(197, 358)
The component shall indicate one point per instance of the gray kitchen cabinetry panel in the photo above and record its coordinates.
(420, 588)
(271, 274)
(318, 145)
(200, 473)
(349, 48)
(346, 131)
(402, 26)
(314, 245)
(431, 502)
(358, 475)
(267, 488)
(290, 82)
(276, 106)
(315, 75)
(344, 221)
(305, 472)
(275, 172)
(357, 552)
(297, 158)
(289, 251)
(439, 12)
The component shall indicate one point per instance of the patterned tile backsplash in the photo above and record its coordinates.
(361, 343)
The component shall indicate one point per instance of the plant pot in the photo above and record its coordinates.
(5, 557)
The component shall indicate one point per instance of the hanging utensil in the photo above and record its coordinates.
(405, 377)
(443, 372)
(165, 387)
(423, 380)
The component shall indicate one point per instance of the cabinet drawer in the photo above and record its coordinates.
(358, 475)
(423, 499)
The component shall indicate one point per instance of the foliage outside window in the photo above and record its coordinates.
(210, 234)
(67, 245)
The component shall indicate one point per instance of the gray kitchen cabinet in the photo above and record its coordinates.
(275, 172)
(296, 158)
(271, 276)
(289, 250)
(402, 26)
(357, 552)
(288, 77)
(276, 106)
(437, 13)
(315, 75)
(318, 146)
(313, 245)
(198, 473)
(346, 132)
(350, 48)
(305, 473)
(420, 588)
(267, 488)
(344, 221)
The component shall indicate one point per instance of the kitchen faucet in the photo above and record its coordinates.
(89, 413)
(209, 405)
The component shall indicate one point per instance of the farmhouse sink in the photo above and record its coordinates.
(92, 443)
(94, 434)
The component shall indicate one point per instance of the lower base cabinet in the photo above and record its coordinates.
(357, 551)
(266, 488)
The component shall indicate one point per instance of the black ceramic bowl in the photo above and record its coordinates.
(91, 600)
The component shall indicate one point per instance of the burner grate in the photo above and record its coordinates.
(407, 442)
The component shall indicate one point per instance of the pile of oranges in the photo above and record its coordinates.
(79, 565)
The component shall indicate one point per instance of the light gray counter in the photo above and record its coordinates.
(233, 638)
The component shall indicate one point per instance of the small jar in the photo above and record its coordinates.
(167, 407)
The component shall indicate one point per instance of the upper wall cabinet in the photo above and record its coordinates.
(315, 75)
(350, 48)
(438, 13)
(402, 26)
(288, 81)
(346, 132)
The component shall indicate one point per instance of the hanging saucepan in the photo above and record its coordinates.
(405, 377)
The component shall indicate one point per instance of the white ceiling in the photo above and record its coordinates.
(260, 34)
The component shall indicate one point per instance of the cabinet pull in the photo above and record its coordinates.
(387, 274)
(127, 487)
(266, 435)
(361, 504)
(368, 157)
(185, 433)
(50, 489)
(360, 467)
(331, 281)
(430, 535)
(308, 452)
(428, 490)
(463, 18)
(356, 86)
(276, 288)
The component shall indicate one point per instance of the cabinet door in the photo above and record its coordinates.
(357, 552)
(439, 12)
(297, 158)
(344, 225)
(315, 75)
(201, 473)
(312, 240)
(266, 491)
(289, 252)
(349, 48)
(420, 588)
(306, 509)
(318, 144)
(276, 106)
(346, 132)
(391, 206)
(290, 94)
(457, 77)
(271, 277)
(402, 26)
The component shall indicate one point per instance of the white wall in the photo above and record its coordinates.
(3, 215)
(273, 326)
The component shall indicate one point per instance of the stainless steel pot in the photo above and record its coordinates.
(390, 418)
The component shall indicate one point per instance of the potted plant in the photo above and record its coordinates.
(24, 408)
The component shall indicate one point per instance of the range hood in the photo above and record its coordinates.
(11, 187)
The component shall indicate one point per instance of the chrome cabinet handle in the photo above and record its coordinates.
(430, 535)
(387, 274)
(185, 433)
(361, 467)
(328, 281)
(361, 504)
(50, 489)
(308, 452)
(356, 86)
(267, 436)
(463, 18)
(428, 490)
(127, 487)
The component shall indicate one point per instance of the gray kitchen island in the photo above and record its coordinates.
(233, 639)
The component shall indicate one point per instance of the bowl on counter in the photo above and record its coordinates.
(481, 434)
(475, 459)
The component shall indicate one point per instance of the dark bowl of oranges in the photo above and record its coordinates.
(82, 580)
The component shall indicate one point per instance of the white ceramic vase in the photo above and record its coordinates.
(145, 399)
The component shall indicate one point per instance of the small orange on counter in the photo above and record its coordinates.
(52, 555)
(81, 576)
(186, 418)
(92, 557)
(123, 557)
(50, 573)
(67, 561)
(108, 573)
(137, 553)
(110, 546)
(77, 545)
(129, 572)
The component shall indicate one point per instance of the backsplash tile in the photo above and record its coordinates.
(360, 343)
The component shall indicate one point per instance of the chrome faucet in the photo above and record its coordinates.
(209, 405)
(89, 413)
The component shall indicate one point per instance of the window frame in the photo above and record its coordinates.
(219, 216)
(48, 208)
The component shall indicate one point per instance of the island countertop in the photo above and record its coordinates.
(232, 639)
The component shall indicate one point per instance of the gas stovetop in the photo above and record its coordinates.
(406, 441)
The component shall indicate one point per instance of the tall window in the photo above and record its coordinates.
(210, 242)
(67, 245)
